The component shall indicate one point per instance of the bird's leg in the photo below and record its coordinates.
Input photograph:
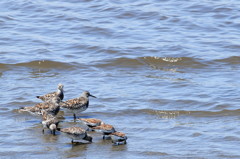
(115, 143)
(74, 116)
(72, 141)
(53, 132)
(43, 131)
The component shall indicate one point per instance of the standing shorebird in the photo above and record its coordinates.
(51, 107)
(49, 121)
(76, 133)
(77, 105)
(105, 129)
(49, 96)
(118, 138)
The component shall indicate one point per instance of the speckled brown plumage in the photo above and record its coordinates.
(74, 130)
(51, 107)
(118, 138)
(120, 134)
(49, 121)
(91, 122)
(76, 133)
(77, 105)
(59, 93)
(106, 129)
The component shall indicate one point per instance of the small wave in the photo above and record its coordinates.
(222, 9)
(199, 8)
(231, 138)
(159, 62)
(144, 15)
(123, 62)
(171, 114)
(6, 18)
(3, 66)
(233, 60)
(42, 64)
(176, 113)
(172, 64)
(100, 31)
(153, 153)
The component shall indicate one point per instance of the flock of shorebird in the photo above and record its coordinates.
(53, 102)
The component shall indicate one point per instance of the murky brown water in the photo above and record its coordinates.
(165, 72)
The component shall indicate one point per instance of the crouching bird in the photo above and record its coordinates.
(118, 138)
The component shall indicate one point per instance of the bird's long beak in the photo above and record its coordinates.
(92, 96)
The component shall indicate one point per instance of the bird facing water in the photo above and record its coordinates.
(91, 122)
(77, 105)
(118, 138)
(105, 129)
(76, 133)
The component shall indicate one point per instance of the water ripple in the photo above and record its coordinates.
(168, 70)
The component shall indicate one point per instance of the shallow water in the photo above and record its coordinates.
(165, 72)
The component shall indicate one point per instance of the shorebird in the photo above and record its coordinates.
(91, 122)
(77, 105)
(118, 138)
(49, 121)
(76, 133)
(49, 96)
(51, 107)
(105, 129)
